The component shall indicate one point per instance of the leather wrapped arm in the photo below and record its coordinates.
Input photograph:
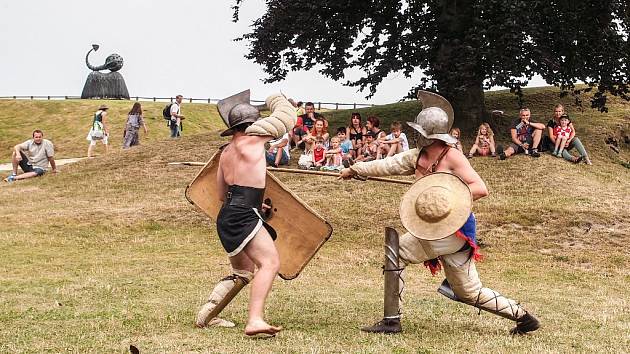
(281, 120)
(399, 164)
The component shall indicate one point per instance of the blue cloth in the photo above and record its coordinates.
(346, 146)
(470, 228)
(271, 157)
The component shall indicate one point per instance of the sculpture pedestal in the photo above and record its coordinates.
(105, 85)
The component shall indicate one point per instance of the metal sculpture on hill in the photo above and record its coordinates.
(105, 85)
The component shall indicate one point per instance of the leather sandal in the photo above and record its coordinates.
(527, 323)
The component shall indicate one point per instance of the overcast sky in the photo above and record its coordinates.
(169, 47)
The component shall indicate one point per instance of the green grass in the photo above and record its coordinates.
(109, 253)
(66, 123)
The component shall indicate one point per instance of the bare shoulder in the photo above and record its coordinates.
(456, 159)
(245, 145)
(253, 140)
(454, 154)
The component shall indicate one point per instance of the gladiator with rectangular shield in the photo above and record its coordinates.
(245, 235)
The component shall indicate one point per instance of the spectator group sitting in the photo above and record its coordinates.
(365, 142)
(355, 141)
(527, 137)
(321, 150)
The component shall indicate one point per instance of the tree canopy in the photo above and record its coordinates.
(460, 46)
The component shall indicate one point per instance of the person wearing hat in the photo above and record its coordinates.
(436, 212)
(99, 129)
(244, 234)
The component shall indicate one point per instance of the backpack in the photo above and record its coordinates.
(97, 133)
(166, 112)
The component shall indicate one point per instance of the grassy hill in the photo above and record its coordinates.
(66, 123)
(109, 253)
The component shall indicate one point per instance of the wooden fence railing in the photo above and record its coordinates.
(319, 105)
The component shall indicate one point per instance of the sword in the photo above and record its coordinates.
(305, 172)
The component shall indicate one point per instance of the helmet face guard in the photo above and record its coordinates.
(421, 141)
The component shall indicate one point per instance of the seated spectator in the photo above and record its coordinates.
(369, 150)
(456, 133)
(320, 130)
(562, 132)
(572, 141)
(372, 125)
(394, 143)
(299, 108)
(278, 152)
(484, 142)
(33, 157)
(345, 143)
(356, 133)
(525, 136)
(334, 156)
(318, 154)
(304, 124)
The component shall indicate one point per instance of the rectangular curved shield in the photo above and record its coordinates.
(301, 231)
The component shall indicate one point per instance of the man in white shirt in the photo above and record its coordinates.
(33, 157)
(278, 152)
(176, 117)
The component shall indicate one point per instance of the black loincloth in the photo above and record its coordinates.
(239, 219)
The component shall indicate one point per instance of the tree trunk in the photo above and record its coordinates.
(469, 106)
(457, 66)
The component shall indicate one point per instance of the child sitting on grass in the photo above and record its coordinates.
(484, 142)
(394, 143)
(562, 132)
(334, 156)
(318, 154)
(344, 143)
(369, 150)
(456, 133)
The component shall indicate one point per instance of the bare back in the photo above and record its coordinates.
(243, 162)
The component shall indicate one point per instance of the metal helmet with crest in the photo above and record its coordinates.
(237, 110)
(435, 119)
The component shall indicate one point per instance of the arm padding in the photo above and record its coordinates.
(399, 164)
(281, 120)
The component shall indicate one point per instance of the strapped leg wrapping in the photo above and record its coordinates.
(463, 280)
(394, 286)
(222, 294)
